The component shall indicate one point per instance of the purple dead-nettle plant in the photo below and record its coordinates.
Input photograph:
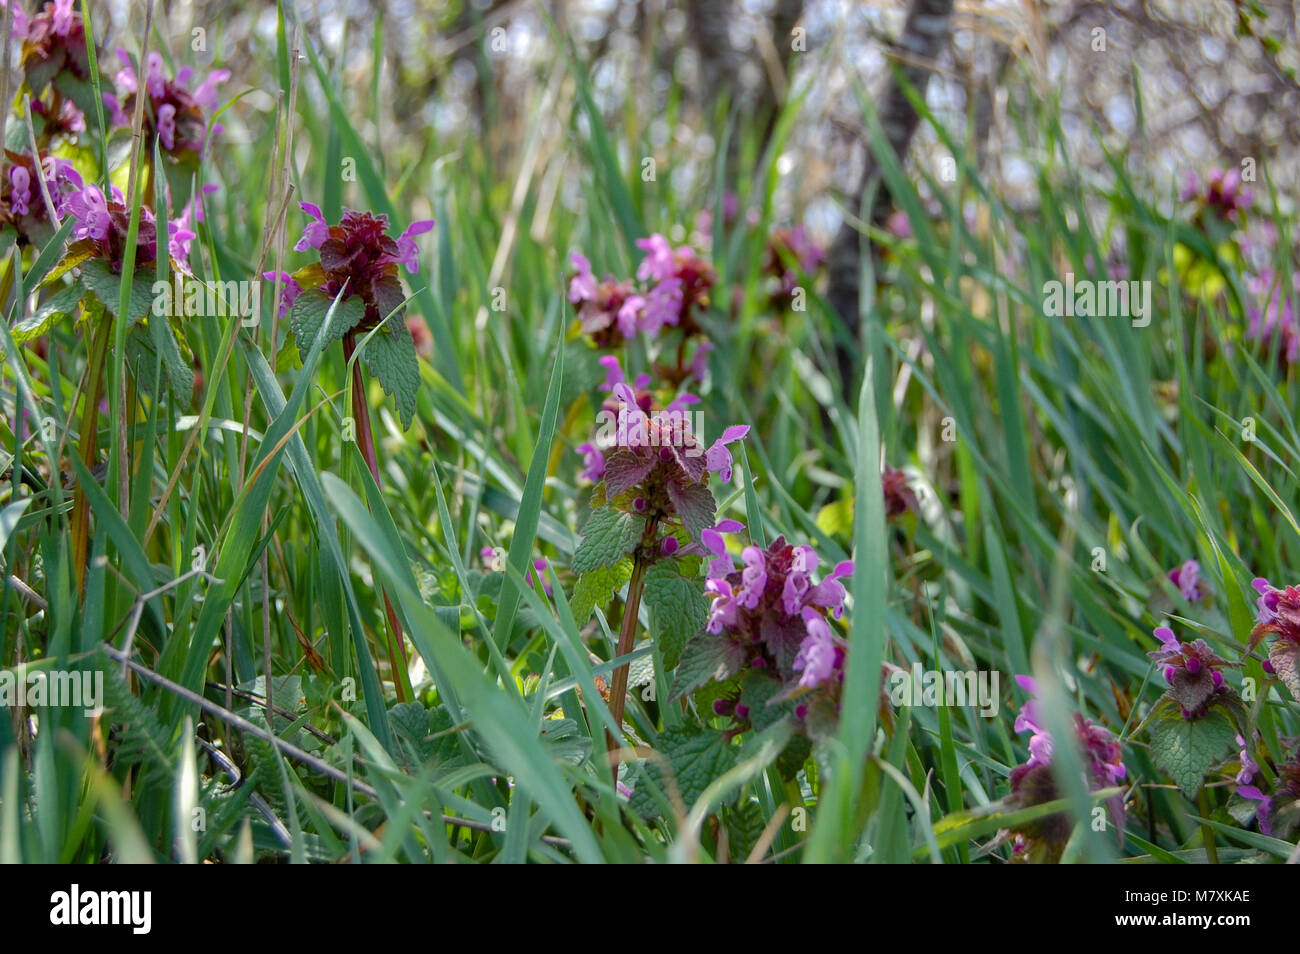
(1034, 783)
(175, 113)
(1193, 724)
(1272, 317)
(670, 291)
(772, 642)
(23, 209)
(1278, 615)
(360, 260)
(651, 508)
(1276, 812)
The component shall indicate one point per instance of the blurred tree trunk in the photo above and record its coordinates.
(710, 26)
(925, 34)
(785, 17)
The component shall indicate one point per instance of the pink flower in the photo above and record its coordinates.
(818, 655)
(659, 262)
(316, 233)
(407, 250)
(1187, 579)
(718, 458)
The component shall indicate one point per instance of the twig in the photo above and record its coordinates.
(287, 748)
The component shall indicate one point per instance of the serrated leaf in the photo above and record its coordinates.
(678, 609)
(309, 311)
(1285, 658)
(597, 588)
(792, 758)
(756, 690)
(390, 356)
(624, 470)
(608, 536)
(410, 722)
(566, 743)
(695, 507)
(1188, 749)
(106, 286)
(706, 658)
(745, 824)
(51, 310)
(696, 755)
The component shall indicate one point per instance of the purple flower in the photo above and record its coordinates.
(818, 654)
(1191, 669)
(289, 290)
(20, 190)
(1264, 813)
(753, 578)
(1187, 579)
(663, 306)
(18, 27)
(780, 629)
(359, 254)
(718, 458)
(660, 262)
(593, 462)
(539, 566)
(1249, 767)
(91, 212)
(1279, 616)
(1273, 322)
(176, 115)
(408, 251)
(316, 233)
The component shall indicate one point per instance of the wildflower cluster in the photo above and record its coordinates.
(776, 618)
(173, 113)
(1278, 615)
(1221, 195)
(671, 287)
(1277, 814)
(1034, 782)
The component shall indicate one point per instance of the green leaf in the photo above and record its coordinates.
(100, 281)
(678, 609)
(1188, 749)
(1285, 658)
(756, 690)
(142, 346)
(745, 824)
(697, 756)
(597, 587)
(695, 507)
(608, 536)
(706, 658)
(390, 356)
(55, 307)
(309, 311)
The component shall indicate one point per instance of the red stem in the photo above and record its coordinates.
(366, 444)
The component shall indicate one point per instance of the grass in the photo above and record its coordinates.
(239, 534)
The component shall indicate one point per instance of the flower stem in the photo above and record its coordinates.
(366, 444)
(626, 637)
(1207, 835)
(88, 446)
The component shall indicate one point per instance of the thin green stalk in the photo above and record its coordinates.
(87, 447)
